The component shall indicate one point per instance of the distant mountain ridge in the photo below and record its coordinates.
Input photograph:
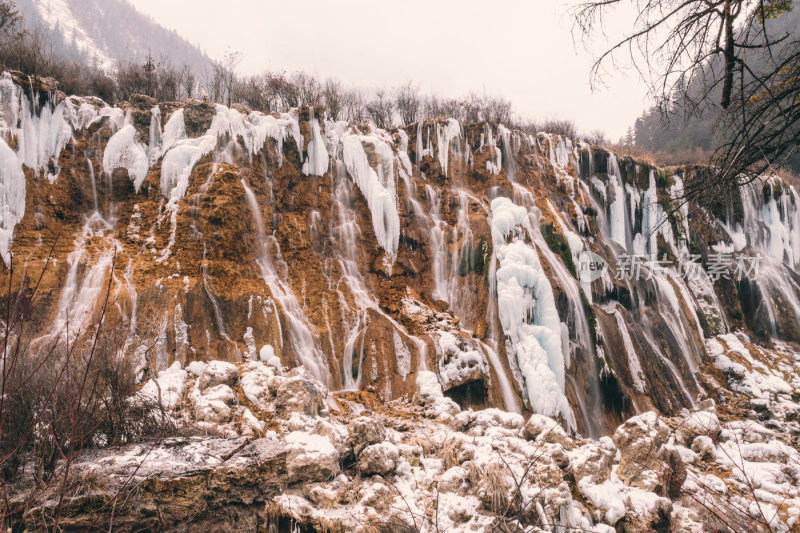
(107, 32)
(686, 138)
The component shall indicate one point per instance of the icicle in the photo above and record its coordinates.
(12, 197)
(528, 313)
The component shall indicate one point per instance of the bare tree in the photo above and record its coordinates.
(709, 51)
(334, 96)
(214, 82)
(228, 74)
(407, 102)
(597, 137)
(380, 109)
(473, 108)
(353, 106)
(252, 91)
(10, 20)
(188, 81)
(283, 89)
(309, 90)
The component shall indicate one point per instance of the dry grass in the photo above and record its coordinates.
(496, 485)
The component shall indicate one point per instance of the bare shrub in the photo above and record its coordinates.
(559, 127)
(596, 137)
(496, 486)
(59, 395)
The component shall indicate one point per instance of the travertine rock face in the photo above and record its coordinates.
(442, 253)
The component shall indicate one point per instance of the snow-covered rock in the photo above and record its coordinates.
(704, 446)
(166, 390)
(218, 373)
(470, 420)
(310, 457)
(701, 422)
(378, 458)
(255, 379)
(213, 404)
(300, 392)
(639, 441)
(544, 429)
(430, 395)
(365, 431)
(591, 461)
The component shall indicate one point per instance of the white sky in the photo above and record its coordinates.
(520, 49)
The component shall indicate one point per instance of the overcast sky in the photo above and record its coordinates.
(520, 49)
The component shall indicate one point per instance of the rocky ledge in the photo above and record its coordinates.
(272, 450)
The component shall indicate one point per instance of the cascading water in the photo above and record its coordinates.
(301, 337)
(92, 181)
(86, 283)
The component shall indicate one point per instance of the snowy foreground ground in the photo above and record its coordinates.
(279, 444)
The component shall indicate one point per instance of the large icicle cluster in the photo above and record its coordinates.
(377, 186)
(122, 151)
(40, 134)
(528, 313)
(12, 197)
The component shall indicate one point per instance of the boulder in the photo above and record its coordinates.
(591, 461)
(640, 441)
(299, 392)
(535, 425)
(453, 480)
(212, 404)
(336, 432)
(217, 373)
(166, 389)
(544, 429)
(647, 515)
(704, 446)
(431, 396)
(256, 469)
(673, 474)
(558, 455)
(254, 381)
(378, 458)
(310, 457)
(486, 418)
(365, 431)
(699, 423)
